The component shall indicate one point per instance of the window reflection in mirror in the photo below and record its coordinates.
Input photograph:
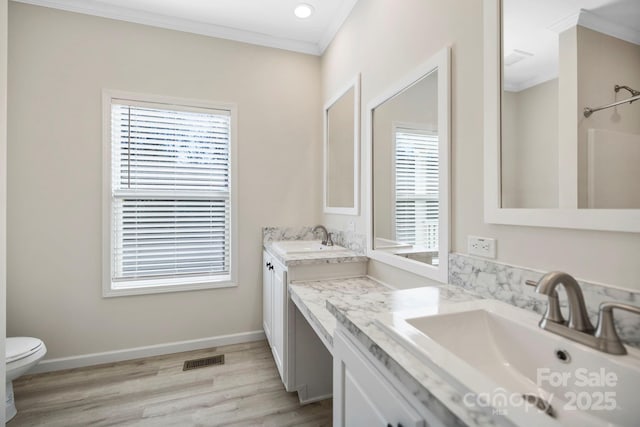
(558, 59)
(406, 172)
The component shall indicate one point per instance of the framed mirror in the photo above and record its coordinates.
(562, 125)
(342, 150)
(408, 171)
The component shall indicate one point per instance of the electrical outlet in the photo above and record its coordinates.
(352, 226)
(481, 246)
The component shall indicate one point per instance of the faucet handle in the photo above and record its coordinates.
(553, 312)
(608, 339)
(329, 239)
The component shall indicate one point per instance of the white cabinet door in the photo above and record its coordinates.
(279, 306)
(267, 296)
(274, 311)
(360, 410)
(362, 397)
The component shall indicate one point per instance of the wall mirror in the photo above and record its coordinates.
(341, 150)
(562, 125)
(408, 163)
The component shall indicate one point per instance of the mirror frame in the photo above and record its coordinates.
(355, 210)
(440, 62)
(587, 219)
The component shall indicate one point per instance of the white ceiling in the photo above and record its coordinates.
(262, 22)
(533, 26)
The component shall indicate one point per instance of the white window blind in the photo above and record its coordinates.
(170, 170)
(416, 187)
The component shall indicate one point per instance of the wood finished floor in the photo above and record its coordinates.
(245, 391)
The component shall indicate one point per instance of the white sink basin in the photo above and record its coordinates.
(290, 247)
(493, 353)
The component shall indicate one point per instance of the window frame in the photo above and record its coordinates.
(169, 284)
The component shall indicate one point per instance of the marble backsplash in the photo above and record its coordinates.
(504, 282)
(275, 234)
(496, 280)
(350, 240)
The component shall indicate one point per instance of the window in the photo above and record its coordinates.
(168, 194)
(416, 187)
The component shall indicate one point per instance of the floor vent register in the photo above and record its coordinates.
(204, 362)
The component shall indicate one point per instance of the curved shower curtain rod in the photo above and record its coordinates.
(635, 96)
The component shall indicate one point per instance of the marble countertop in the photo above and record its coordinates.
(434, 391)
(336, 257)
(356, 302)
(311, 299)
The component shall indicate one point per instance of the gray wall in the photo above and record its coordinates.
(529, 147)
(383, 40)
(59, 62)
(3, 194)
(595, 87)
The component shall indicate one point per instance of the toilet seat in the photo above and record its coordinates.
(21, 347)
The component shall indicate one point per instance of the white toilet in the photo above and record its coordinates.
(23, 353)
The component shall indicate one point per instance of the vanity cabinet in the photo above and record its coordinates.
(363, 396)
(267, 296)
(279, 304)
(274, 285)
(303, 360)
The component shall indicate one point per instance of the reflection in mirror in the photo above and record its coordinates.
(558, 59)
(405, 179)
(340, 125)
(408, 171)
(341, 152)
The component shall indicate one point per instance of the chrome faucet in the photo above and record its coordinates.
(579, 328)
(609, 341)
(326, 236)
(578, 316)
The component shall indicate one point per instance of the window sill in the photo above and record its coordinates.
(161, 286)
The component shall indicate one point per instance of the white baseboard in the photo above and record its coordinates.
(48, 365)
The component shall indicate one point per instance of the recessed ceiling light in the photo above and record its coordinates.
(303, 10)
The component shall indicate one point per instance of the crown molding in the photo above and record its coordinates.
(538, 79)
(89, 7)
(332, 29)
(594, 22)
(565, 23)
